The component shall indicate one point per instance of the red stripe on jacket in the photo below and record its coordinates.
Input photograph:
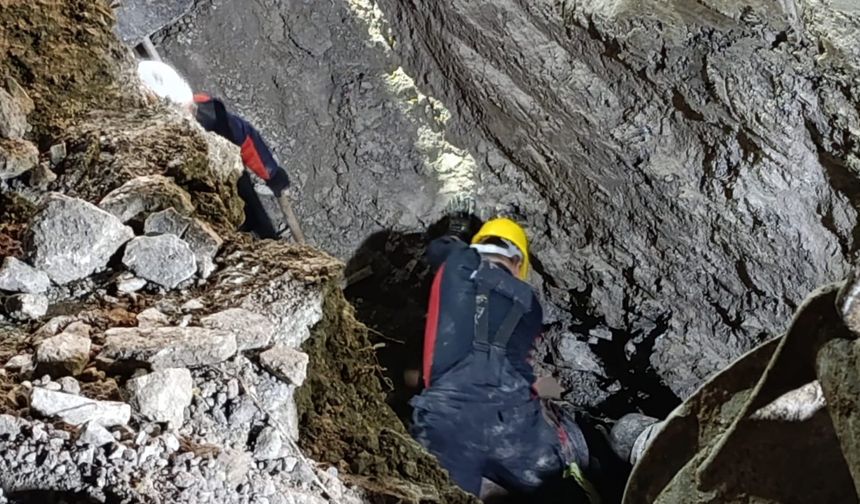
(432, 326)
(251, 158)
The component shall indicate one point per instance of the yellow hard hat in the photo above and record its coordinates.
(510, 231)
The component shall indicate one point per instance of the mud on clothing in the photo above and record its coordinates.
(256, 156)
(478, 413)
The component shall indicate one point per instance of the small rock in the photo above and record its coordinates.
(22, 364)
(286, 363)
(41, 175)
(78, 328)
(269, 444)
(151, 317)
(64, 354)
(58, 153)
(167, 347)
(130, 285)
(11, 425)
(27, 306)
(53, 386)
(162, 396)
(69, 385)
(253, 331)
(18, 276)
(71, 239)
(17, 157)
(94, 434)
(204, 241)
(78, 410)
(142, 196)
(15, 105)
(193, 305)
(164, 259)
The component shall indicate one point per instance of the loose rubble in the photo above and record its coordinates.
(17, 157)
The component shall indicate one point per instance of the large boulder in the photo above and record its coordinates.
(165, 259)
(71, 239)
(162, 396)
(18, 276)
(17, 157)
(143, 195)
(202, 239)
(77, 410)
(167, 347)
(62, 355)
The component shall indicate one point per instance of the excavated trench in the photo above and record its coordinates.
(686, 170)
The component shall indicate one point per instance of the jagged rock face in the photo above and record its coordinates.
(685, 170)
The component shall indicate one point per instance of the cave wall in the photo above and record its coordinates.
(697, 157)
(686, 168)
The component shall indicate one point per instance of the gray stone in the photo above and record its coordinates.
(18, 276)
(151, 317)
(64, 354)
(58, 153)
(192, 305)
(286, 363)
(73, 239)
(252, 330)
(77, 410)
(11, 425)
(162, 396)
(167, 347)
(17, 157)
(165, 259)
(94, 434)
(142, 196)
(69, 385)
(130, 284)
(21, 364)
(269, 444)
(204, 242)
(15, 105)
(27, 306)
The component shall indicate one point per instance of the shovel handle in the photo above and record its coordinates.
(292, 221)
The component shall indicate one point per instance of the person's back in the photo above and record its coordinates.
(478, 413)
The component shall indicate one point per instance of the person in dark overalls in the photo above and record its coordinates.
(479, 413)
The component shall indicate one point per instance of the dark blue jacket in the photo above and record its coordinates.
(450, 327)
(213, 116)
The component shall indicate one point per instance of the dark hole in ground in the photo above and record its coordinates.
(389, 285)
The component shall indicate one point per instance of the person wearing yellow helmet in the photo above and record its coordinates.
(479, 412)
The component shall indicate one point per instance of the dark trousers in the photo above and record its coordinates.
(513, 446)
(257, 220)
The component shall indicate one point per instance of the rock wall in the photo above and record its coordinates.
(686, 169)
